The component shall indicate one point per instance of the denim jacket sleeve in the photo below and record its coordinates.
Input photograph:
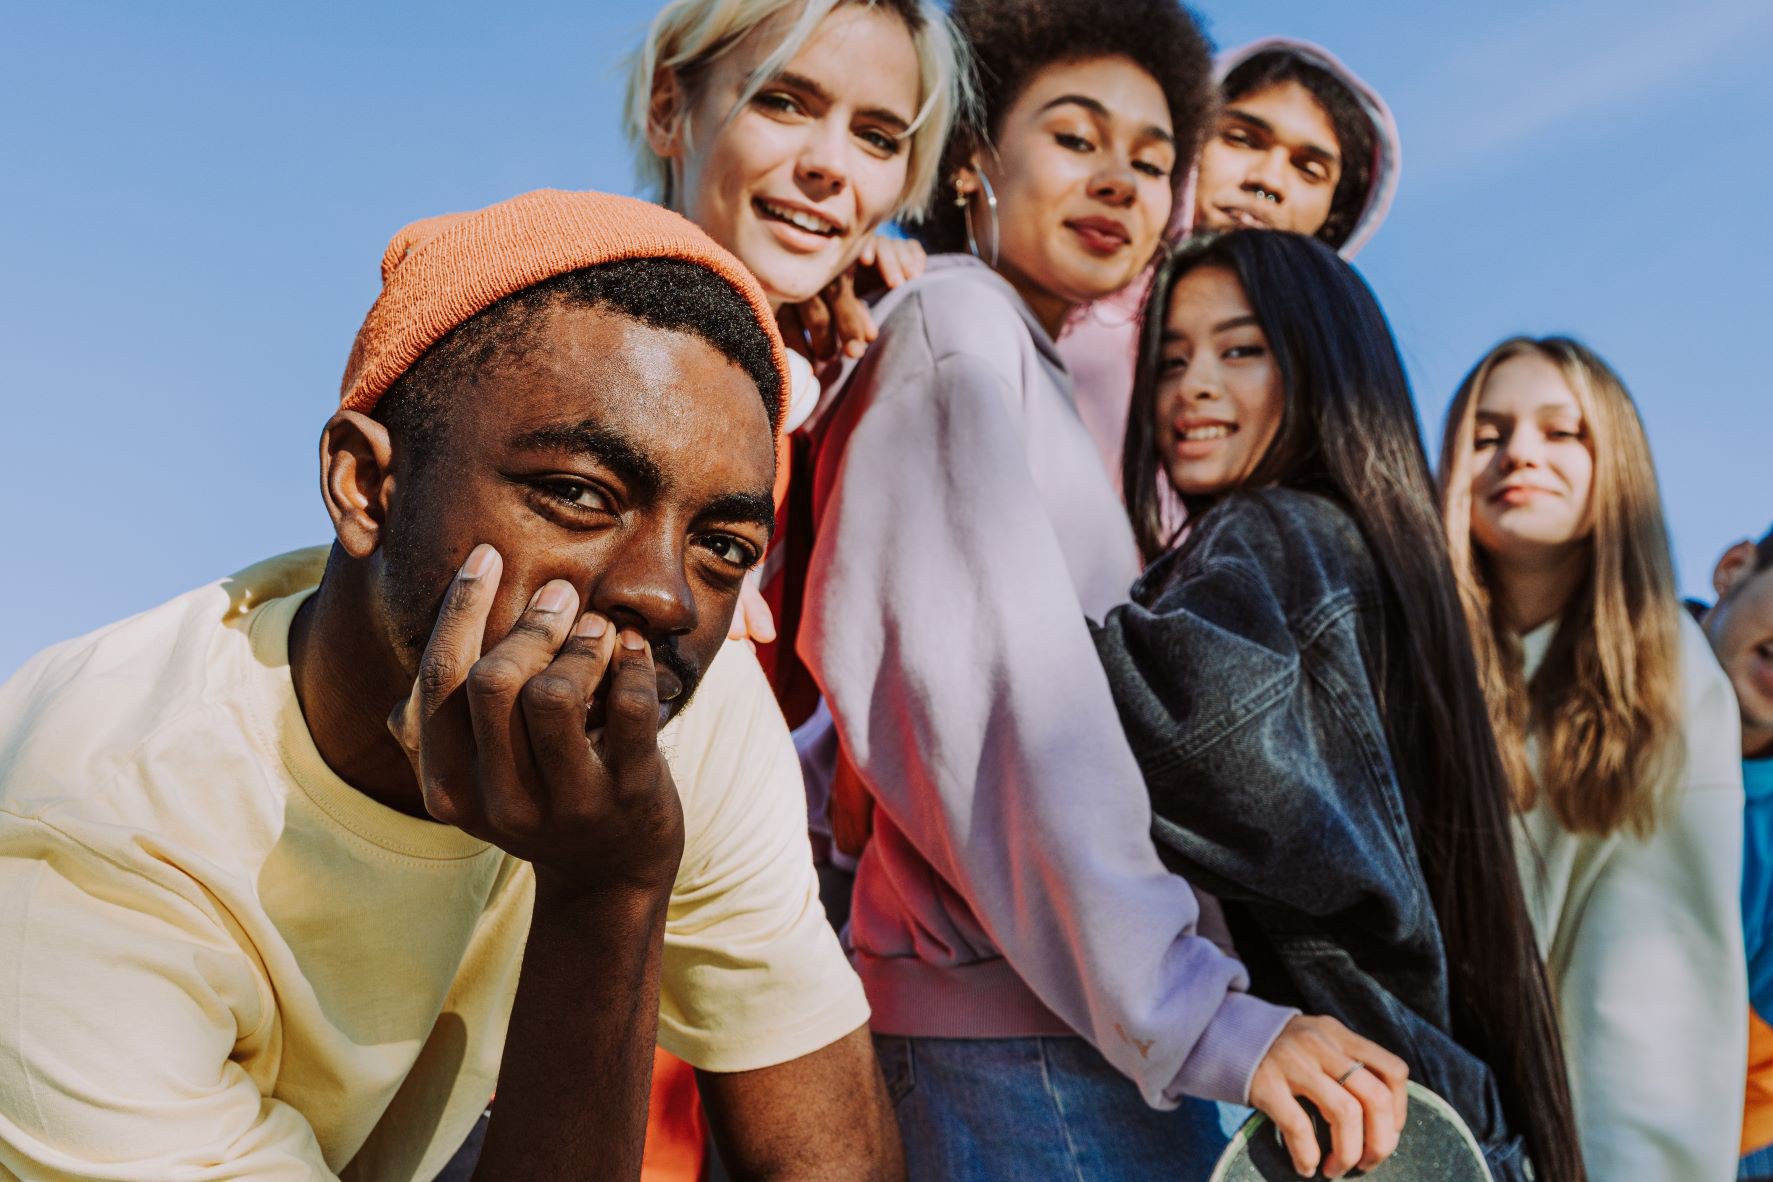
(1240, 681)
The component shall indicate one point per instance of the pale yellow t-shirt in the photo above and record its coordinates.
(221, 961)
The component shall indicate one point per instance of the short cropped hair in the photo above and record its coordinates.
(1013, 40)
(1355, 140)
(688, 36)
(665, 293)
(1764, 552)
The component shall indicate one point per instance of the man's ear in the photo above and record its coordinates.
(1735, 568)
(356, 480)
(665, 115)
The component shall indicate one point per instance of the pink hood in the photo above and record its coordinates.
(1100, 341)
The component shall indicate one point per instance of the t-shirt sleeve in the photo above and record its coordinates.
(121, 1005)
(753, 974)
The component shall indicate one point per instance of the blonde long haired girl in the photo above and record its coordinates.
(1619, 734)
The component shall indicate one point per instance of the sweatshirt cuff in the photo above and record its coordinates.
(1229, 1050)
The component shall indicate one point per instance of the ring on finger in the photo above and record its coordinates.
(1357, 1065)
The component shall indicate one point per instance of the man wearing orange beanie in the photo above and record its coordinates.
(296, 867)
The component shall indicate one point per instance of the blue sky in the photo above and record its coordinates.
(196, 198)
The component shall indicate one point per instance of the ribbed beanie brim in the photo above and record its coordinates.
(439, 272)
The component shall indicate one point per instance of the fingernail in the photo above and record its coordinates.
(553, 596)
(480, 562)
(632, 641)
(591, 626)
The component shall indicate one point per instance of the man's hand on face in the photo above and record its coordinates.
(500, 745)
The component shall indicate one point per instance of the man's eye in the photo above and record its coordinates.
(1237, 137)
(730, 550)
(1313, 170)
(575, 493)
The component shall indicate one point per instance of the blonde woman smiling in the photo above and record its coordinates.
(791, 131)
(1621, 734)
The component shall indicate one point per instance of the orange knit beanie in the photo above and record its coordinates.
(439, 272)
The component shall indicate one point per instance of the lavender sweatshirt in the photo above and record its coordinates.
(965, 528)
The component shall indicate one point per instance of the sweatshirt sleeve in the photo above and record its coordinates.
(1654, 997)
(120, 1009)
(948, 639)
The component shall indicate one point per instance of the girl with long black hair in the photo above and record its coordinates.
(1297, 683)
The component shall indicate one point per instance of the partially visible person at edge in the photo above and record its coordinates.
(791, 131)
(1051, 1001)
(1310, 620)
(1300, 143)
(1740, 628)
(299, 862)
(1621, 739)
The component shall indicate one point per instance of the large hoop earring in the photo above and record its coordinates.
(967, 216)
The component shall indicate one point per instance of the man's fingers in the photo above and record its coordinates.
(501, 739)
(557, 702)
(431, 723)
(1379, 1116)
(455, 639)
(631, 710)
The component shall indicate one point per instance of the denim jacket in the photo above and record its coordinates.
(1245, 670)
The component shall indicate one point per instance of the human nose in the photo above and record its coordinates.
(1268, 173)
(1115, 184)
(1524, 448)
(643, 586)
(820, 169)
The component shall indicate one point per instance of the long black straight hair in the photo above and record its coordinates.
(1348, 429)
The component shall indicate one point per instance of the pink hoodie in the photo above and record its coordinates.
(1101, 339)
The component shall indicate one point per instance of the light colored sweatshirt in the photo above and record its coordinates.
(1643, 943)
(1011, 888)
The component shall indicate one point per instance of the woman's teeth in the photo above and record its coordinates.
(1217, 431)
(794, 217)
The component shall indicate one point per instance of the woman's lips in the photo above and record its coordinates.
(1207, 437)
(1518, 494)
(1101, 236)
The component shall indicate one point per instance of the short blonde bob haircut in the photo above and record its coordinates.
(1605, 707)
(689, 35)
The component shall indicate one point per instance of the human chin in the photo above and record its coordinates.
(788, 276)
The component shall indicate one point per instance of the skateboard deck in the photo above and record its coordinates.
(1435, 1147)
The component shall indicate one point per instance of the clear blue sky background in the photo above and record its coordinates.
(195, 197)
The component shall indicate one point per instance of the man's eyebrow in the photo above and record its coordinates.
(608, 447)
(1260, 124)
(802, 82)
(750, 508)
(1095, 107)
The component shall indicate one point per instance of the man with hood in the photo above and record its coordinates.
(1300, 144)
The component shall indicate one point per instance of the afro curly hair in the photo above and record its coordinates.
(1013, 40)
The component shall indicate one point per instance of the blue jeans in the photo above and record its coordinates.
(1757, 1165)
(990, 1109)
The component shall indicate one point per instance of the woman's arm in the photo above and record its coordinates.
(944, 630)
(1269, 776)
